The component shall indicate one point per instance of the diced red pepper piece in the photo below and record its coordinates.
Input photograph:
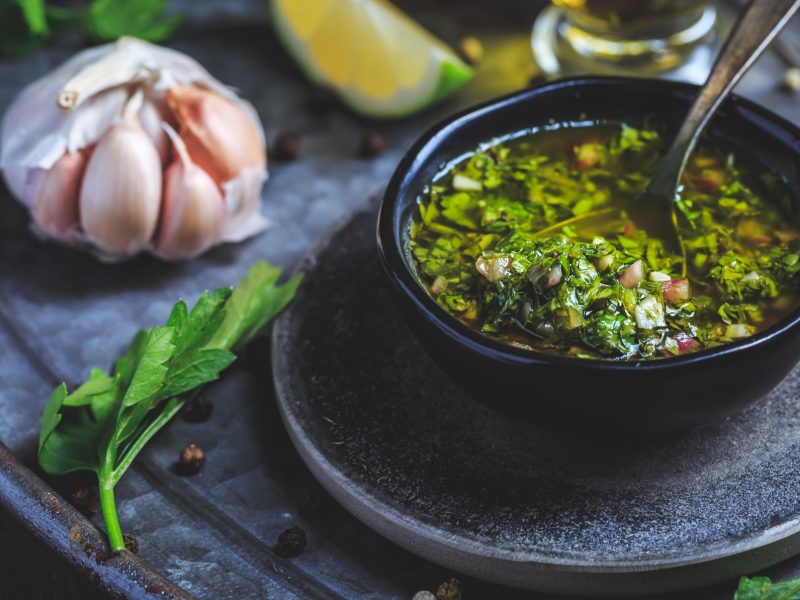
(686, 343)
(587, 154)
(710, 180)
(629, 229)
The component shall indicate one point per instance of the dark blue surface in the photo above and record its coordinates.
(61, 313)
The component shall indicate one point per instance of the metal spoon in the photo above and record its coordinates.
(654, 210)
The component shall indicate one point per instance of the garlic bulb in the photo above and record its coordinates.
(91, 149)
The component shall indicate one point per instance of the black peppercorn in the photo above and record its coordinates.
(536, 79)
(372, 144)
(197, 410)
(449, 590)
(191, 459)
(131, 543)
(291, 542)
(287, 146)
(86, 500)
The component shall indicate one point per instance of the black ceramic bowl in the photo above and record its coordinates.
(534, 385)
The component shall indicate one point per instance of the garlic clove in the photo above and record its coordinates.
(54, 205)
(151, 115)
(221, 137)
(121, 192)
(193, 208)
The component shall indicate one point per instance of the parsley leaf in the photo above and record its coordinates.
(111, 19)
(34, 13)
(26, 25)
(762, 588)
(18, 28)
(252, 305)
(107, 420)
(72, 442)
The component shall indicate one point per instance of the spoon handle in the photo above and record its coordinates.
(752, 33)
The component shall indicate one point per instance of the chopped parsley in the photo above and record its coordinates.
(610, 291)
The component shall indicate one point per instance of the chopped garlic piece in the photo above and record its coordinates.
(739, 330)
(494, 269)
(752, 276)
(649, 313)
(462, 183)
(658, 276)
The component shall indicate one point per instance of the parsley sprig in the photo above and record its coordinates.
(103, 424)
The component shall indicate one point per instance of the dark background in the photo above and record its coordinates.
(29, 569)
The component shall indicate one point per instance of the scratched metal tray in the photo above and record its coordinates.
(212, 535)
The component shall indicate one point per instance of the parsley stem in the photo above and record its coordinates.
(592, 217)
(106, 487)
(170, 410)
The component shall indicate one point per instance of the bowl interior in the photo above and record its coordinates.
(754, 134)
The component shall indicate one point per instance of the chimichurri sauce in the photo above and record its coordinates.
(608, 291)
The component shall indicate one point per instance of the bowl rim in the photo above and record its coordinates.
(391, 224)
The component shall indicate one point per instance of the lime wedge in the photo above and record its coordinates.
(381, 63)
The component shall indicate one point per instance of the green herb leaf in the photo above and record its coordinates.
(66, 445)
(111, 19)
(17, 37)
(150, 369)
(26, 25)
(100, 392)
(34, 13)
(762, 588)
(204, 320)
(105, 422)
(196, 368)
(98, 385)
(255, 302)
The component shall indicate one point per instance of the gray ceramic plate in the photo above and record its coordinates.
(420, 462)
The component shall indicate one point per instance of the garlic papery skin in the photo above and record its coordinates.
(120, 196)
(54, 206)
(193, 210)
(78, 108)
(220, 135)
